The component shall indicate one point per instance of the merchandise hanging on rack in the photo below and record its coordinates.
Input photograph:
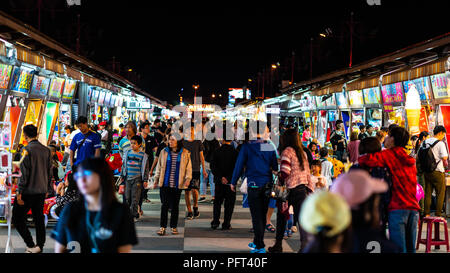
(5, 181)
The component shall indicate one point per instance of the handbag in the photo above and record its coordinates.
(277, 191)
(243, 188)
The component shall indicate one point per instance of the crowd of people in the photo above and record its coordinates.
(339, 198)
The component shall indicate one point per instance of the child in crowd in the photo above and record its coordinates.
(327, 166)
(134, 171)
(317, 177)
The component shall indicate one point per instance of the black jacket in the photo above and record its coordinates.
(223, 161)
(36, 169)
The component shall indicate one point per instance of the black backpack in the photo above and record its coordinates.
(426, 158)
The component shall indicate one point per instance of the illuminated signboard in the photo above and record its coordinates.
(21, 80)
(237, 93)
(372, 95)
(201, 108)
(441, 85)
(40, 85)
(356, 98)
(56, 87)
(392, 93)
(5, 75)
(342, 100)
(422, 86)
(69, 89)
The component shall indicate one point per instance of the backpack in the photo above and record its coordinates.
(426, 158)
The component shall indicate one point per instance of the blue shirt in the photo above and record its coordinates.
(88, 148)
(134, 164)
(259, 158)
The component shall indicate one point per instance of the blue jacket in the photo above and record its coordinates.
(260, 158)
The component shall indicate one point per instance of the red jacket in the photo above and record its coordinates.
(404, 176)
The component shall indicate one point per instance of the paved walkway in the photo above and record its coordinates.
(195, 236)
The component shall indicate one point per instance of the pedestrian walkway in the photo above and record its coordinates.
(195, 236)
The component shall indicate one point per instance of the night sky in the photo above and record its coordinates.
(221, 46)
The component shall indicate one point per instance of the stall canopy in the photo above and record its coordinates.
(329, 89)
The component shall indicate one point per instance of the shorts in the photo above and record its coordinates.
(195, 182)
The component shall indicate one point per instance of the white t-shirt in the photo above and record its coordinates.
(68, 139)
(327, 168)
(439, 152)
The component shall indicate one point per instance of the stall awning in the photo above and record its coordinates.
(399, 76)
(29, 57)
(74, 74)
(363, 83)
(329, 89)
(436, 67)
(54, 66)
(2, 48)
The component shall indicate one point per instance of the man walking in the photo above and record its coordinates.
(337, 139)
(32, 189)
(435, 180)
(86, 144)
(222, 167)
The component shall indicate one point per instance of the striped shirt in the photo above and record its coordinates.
(173, 168)
(134, 164)
(291, 172)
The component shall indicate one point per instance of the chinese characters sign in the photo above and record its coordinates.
(40, 85)
(21, 80)
(441, 87)
(69, 89)
(392, 93)
(356, 98)
(56, 87)
(372, 95)
(5, 75)
(422, 86)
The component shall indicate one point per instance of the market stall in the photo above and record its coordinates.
(357, 109)
(394, 108)
(372, 107)
(344, 111)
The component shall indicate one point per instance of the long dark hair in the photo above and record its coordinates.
(422, 136)
(290, 138)
(72, 183)
(99, 166)
(322, 244)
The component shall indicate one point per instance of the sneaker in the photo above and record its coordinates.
(294, 229)
(161, 232)
(214, 225)
(196, 213)
(251, 245)
(189, 216)
(35, 249)
(174, 231)
(258, 250)
(286, 235)
(202, 199)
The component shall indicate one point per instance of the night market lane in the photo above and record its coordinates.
(195, 236)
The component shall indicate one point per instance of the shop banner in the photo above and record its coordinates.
(388, 108)
(372, 95)
(356, 98)
(422, 86)
(5, 75)
(392, 93)
(40, 85)
(32, 115)
(95, 95)
(108, 99)
(56, 87)
(423, 121)
(441, 86)
(69, 89)
(342, 100)
(21, 80)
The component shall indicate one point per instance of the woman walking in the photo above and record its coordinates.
(296, 175)
(98, 222)
(173, 174)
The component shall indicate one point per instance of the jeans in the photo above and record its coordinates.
(339, 155)
(259, 204)
(133, 190)
(170, 198)
(436, 181)
(35, 202)
(223, 193)
(203, 182)
(295, 199)
(403, 229)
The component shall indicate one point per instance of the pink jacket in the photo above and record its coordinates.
(353, 150)
(290, 170)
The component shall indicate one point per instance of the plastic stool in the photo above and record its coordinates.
(429, 240)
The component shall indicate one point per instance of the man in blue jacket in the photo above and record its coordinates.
(260, 160)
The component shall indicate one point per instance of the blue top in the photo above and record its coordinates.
(88, 148)
(134, 164)
(260, 158)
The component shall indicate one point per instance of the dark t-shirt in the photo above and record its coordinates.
(158, 136)
(160, 148)
(110, 234)
(367, 240)
(195, 147)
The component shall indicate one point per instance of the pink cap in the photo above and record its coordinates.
(357, 186)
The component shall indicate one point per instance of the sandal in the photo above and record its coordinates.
(270, 228)
(174, 231)
(161, 232)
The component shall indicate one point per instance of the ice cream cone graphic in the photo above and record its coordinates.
(412, 106)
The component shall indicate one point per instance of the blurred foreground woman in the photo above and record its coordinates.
(98, 222)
